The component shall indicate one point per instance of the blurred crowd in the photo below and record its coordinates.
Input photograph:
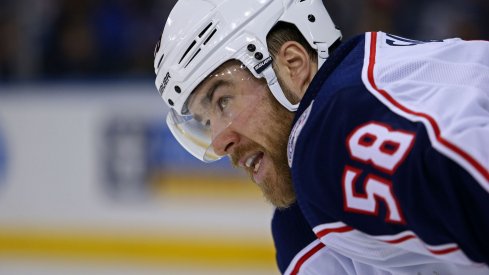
(53, 39)
(113, 39)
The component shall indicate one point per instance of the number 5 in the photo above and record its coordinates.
(376, 189)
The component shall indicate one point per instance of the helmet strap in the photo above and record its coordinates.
(277, 91)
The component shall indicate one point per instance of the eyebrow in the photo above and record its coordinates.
(210, 93)
(209, 96)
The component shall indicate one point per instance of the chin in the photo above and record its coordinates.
(279, 193)
(283, 203)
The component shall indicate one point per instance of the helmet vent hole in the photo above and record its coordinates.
(195, 54)
(205, 30)
(161, 59)
(188, 50)
(157, 47)
(210, 36)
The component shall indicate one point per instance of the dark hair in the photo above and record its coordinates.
(283, 32)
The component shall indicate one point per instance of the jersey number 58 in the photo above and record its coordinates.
(384, 149)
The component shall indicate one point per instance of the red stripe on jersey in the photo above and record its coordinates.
(325, 232)
(305, 257)
(444, 251)
(400, 240)
(432, 250)
(434, 125)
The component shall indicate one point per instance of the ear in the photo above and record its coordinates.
(294, 67)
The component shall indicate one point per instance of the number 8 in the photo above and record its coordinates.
(380, 146)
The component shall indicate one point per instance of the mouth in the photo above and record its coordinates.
(252, 163)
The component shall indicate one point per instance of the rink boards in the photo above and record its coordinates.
(91, 181)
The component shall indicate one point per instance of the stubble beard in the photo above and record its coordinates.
(276, 188)
(279, 190)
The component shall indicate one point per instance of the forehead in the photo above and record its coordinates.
(231, 74)
(231, 71)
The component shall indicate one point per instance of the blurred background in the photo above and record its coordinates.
(91, 181)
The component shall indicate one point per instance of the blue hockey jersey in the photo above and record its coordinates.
(390, 157)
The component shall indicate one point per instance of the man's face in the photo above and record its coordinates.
(249, 126)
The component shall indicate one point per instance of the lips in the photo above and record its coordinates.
(252, 162)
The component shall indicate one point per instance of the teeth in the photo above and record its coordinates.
(257, 166)
(249, 161)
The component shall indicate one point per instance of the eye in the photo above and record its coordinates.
(223, 102)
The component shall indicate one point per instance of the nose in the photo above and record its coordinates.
(224, 142)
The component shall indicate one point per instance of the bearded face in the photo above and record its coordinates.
(248, 125)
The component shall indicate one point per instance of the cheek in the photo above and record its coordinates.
(253, 116)
(257, 125)
(266, 123)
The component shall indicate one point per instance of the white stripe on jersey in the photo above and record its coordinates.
(334, 226)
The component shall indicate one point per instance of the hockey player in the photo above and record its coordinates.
(376, 149)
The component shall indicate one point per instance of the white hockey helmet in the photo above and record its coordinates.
(201, 35)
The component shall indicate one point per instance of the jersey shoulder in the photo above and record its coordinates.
(366, 152)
